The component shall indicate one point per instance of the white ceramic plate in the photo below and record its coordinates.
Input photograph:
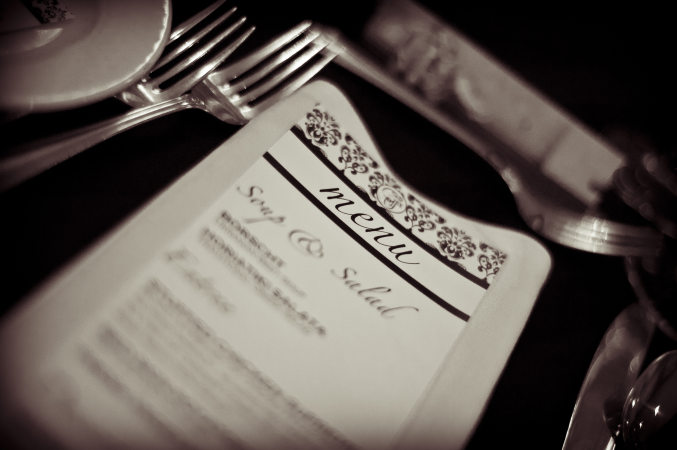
(94, 50)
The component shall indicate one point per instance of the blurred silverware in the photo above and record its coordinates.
(191, 54)
(545, 207)
(649, 185)
(650, 411)
(556, 172)
(654, 280)
(236, 93)
(596, 418)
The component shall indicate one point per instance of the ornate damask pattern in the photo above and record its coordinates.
(321, 128)
(420, 215)
(455, 243)
(415, 216)
(353, 158)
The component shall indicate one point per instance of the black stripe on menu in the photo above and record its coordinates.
(327, 212)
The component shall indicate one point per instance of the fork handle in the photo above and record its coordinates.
(36, 157)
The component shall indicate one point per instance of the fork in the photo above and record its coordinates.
(234, 94)
(190, 55)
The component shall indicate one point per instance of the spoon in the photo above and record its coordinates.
(614, 368)
(650, 410)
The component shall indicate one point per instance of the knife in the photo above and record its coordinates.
(596, 417)
(556, 168)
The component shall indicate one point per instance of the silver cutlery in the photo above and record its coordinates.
(191, 54)
(545, 206)
(596, 418)
(650, 187)
(557, 199)
(650, 410)
(242, 90)
(187, 57)
(234, 94)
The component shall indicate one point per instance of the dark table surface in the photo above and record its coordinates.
(611, 69)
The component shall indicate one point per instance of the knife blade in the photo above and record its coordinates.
(557, 171)
(615, 366)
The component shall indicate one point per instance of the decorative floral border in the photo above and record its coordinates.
(449, 243)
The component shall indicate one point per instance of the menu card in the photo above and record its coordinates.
(288, 292)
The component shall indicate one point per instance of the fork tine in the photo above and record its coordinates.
(290, 68)
(292, 86)
(253, 76)
(275, 70)
(195, 20)
(295, 84)
(243, 65)
(203, 69)
(188, 24)
(185, 62)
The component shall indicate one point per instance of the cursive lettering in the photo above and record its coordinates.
(254, 194)
(306, 243)
(185, 263)
(368, 294)
(378, 234)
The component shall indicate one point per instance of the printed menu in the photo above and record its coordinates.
(313, 300)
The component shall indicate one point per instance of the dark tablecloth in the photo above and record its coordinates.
(609, 68)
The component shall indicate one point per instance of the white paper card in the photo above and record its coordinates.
(314, 301)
